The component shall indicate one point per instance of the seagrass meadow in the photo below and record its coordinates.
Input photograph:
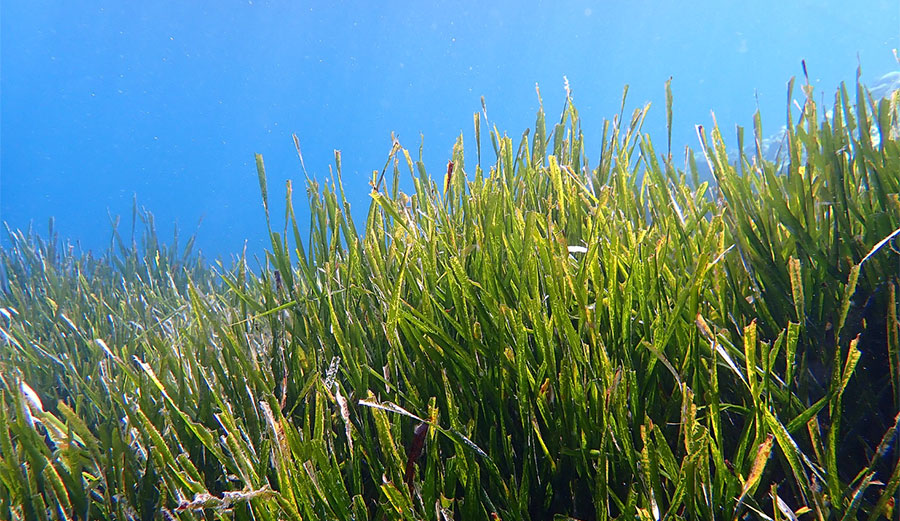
(530, 336)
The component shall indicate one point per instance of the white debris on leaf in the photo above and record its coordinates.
(31, 397)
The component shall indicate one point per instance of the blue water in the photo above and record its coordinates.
(101, 101)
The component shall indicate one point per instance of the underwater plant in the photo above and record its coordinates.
(524, 338)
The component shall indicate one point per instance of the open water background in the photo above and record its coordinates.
(103, 101)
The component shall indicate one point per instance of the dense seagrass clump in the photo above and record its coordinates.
(530, 337)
